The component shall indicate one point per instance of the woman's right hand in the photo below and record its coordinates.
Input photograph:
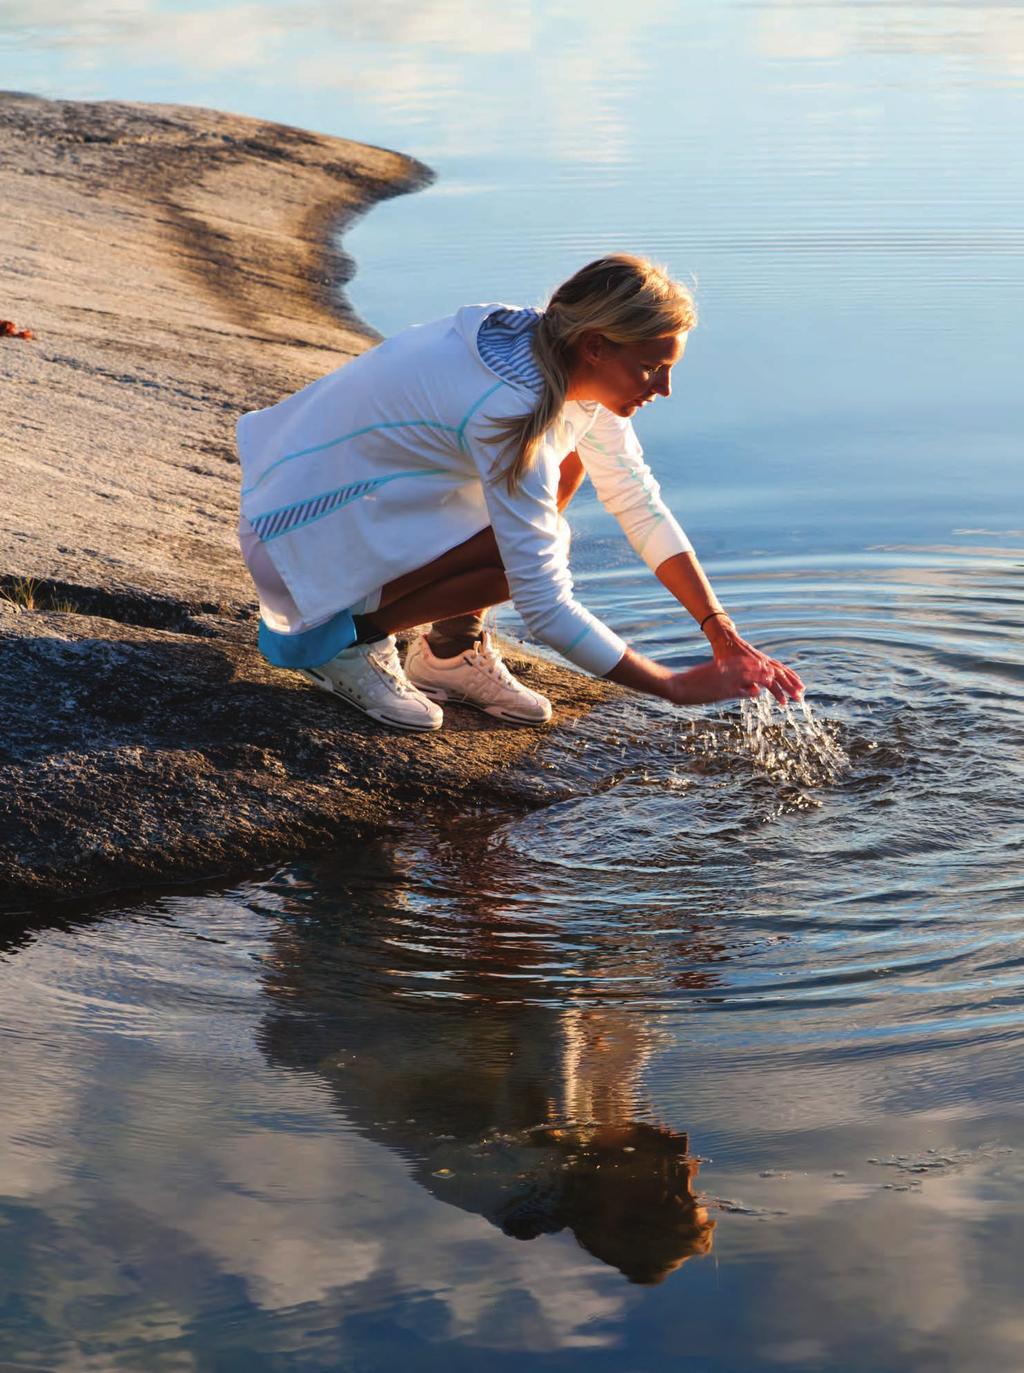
(714, 681)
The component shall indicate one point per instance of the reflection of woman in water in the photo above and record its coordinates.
(425, 480)
(624, 1191)
(517, 1111)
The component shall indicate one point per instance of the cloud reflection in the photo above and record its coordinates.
(229, 1124)
(462, 68)
(803, 30)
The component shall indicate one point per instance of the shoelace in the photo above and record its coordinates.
(489, 660)
(389, 663)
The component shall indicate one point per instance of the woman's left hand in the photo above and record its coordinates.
(732, 650)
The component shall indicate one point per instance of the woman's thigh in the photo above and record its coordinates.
(480, 551)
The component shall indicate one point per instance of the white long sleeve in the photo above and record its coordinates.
(533, 550)
(613, 460)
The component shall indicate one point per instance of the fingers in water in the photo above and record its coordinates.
(790, 680)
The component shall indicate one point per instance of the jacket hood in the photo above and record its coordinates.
(467, 322)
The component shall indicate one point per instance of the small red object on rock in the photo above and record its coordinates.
(8, 329)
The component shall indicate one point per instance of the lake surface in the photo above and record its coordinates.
(714, 1061)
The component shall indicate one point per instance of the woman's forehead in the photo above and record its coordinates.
(666, 348)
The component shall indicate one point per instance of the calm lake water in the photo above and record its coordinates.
(714, 1062)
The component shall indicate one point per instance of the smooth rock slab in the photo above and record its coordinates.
(176, 267)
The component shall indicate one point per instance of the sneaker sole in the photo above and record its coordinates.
(442, 694)
(382, 718)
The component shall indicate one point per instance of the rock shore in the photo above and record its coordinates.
(175, 267)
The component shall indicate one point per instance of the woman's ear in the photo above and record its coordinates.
(591, 347)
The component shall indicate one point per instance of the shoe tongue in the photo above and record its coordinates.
(386, 653)
(487, 650)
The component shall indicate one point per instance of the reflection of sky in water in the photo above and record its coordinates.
(197, 1170)
(843, 181)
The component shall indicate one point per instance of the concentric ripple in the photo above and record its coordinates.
(839, 878)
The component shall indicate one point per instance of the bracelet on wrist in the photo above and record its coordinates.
(722, 613)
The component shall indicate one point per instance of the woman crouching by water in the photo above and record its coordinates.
(424, 482)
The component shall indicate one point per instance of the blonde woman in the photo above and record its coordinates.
(424, 482)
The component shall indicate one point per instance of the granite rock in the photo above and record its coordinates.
(176, 267)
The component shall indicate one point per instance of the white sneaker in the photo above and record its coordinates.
(479, 678)
(370, 677)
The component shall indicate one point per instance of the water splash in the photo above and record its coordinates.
(789, 744)
(649, 744)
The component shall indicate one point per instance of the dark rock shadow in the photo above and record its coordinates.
(134, 753)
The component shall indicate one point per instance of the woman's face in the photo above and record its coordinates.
(624, 376)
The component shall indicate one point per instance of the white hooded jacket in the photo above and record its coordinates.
(381, 466)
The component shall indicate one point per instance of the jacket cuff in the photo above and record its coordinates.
(597, 650)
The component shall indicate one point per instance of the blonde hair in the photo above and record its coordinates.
(627, 299)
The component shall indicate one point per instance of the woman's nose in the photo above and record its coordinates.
(664, 386)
